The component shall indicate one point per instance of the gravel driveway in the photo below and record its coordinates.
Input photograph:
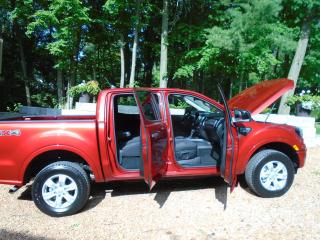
(189, 209)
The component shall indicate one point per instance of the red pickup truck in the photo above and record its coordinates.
(151, 134)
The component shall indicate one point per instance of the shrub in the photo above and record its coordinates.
(308, 102)
(91, 87)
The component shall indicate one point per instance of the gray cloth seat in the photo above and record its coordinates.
(130, 154)
(193, 152)
(185, 149)
(188, 151)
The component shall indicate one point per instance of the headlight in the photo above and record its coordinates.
(299, 132)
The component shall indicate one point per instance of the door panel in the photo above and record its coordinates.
(153, 137)
(228, 163)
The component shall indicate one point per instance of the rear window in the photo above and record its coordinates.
(126, 104)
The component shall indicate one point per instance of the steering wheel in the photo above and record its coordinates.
(214, 128)
(188, 117)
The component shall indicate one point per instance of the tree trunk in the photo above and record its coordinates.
(228, 88)
(241, 78)
(201, 84)
(296, 66)
(135, 46)
(127, 59)
(69, 102)
(60, 87)
(164, 46)
(94, 73)
(73, 69)
(148, 67)
(24, 73)
(123, 70)
(98, 71)
(195, 81)
(71, 82)
(134, 58)
(1, 47)
(276, 55)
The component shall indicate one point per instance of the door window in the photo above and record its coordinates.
(149, 105)
(126, 104)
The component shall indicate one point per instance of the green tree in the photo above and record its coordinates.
(244, 47)
(237, 43)
(66, 21)
(307, 13)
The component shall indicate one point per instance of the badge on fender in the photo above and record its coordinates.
(7, 133)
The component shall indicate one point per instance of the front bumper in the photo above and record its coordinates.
(302, 154)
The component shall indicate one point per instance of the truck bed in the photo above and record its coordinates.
(25, 138)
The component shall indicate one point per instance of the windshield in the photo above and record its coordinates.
(197, 104)
(178, 103)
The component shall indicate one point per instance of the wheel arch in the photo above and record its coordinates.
(46, 156)
(281, 147)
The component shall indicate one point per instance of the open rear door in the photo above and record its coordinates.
(228, 161)
(153, 137)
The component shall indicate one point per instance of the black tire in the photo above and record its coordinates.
(254, 169)
(74, 174)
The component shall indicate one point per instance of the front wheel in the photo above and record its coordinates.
(61, 189)
(269, 173)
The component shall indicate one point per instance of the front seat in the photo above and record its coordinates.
(186, 152)
(185, 149)
(130, 154)
(193, 152)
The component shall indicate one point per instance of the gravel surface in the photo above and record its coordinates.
(189, 209)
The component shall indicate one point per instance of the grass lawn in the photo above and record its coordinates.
(318, 128)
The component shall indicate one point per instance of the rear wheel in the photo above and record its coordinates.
(61, 189)
(269, 173)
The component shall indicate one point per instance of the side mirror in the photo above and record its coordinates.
(242, 116)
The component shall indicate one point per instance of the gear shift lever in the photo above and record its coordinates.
(191, 134)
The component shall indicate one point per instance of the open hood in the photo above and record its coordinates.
(258, 97)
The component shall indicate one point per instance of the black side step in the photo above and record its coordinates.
(14, 189)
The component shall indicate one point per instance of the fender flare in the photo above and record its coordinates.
(26, 163)
(244, 160)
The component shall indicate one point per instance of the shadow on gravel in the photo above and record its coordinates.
(26, 194)
(243, 184)
(10, 235)
(162, 190)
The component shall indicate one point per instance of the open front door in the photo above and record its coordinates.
(228, 161)
(153, 137)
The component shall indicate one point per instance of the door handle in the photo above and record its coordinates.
(155, 135)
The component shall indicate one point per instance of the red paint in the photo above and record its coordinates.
(92, 138)
(258, 97)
